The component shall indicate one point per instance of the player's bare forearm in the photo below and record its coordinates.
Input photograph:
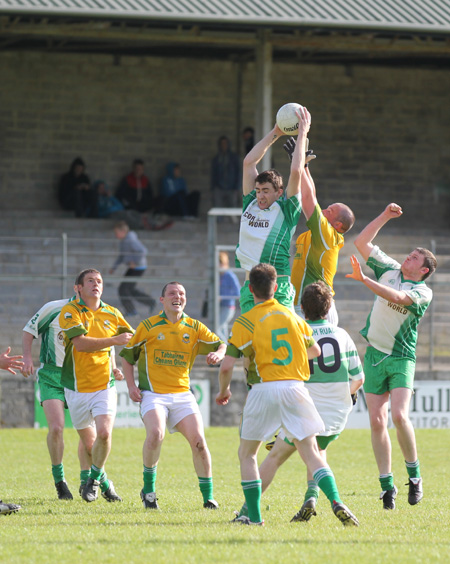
(363, 241)
(128, 371)
(27, 342)
(225, 375)
(250, 171)
(83, 343)
(308, 189)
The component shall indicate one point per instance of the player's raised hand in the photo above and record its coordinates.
(393, 211)
(357, 273)
(304, 119)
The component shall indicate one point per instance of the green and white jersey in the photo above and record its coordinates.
(265, 235)
(328, 384)
(392, 328)
(46, 323)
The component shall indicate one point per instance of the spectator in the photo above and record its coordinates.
(75, 192)
(248, 139)
(229, 286)
(135, 191)
(107, 204)
(175, 198)
(225, 176)
(133, 254)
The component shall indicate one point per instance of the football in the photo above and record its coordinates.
(287, 119)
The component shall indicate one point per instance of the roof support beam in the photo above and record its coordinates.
(263, 118)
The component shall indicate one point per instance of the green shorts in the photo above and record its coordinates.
(285, 294)
(322, 442)
(49, 382)
(385, 372)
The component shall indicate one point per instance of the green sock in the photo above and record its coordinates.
(96, 472)
(244, 510)
(149, 479)
(58, 472)
(312, 491)
(104, 482)
(387, 482)
(84, 476)
(252, 492)
(413, 469)
(324, 478)
(206, 487)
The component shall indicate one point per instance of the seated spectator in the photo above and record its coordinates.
(107, 204)
(135, 191)
(176, 200)
(75, 192)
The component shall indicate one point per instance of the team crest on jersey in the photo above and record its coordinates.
(86, 325)
(106, 323)
(161, 337)
(61, 337)
(186, 338)
(67, 315)
(392, 281)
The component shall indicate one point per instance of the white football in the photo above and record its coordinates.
(287, 119)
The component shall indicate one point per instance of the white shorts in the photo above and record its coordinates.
(84, 407)
(332, 315)
(176, 406)
(283, 404)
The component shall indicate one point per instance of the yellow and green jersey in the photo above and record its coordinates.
(89, 371)
(165, 352)
(275, 339)
(316, 254)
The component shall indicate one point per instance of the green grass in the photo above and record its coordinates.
(47, 530)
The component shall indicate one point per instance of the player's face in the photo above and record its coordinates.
(92, 286)
(412, 267)
(332, 213)
(174, 300)
(266, 195)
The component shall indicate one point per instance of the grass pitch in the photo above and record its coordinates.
(47, 530)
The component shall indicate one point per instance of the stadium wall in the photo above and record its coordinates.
(381, 133)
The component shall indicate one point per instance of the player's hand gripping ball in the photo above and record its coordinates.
(287, 119)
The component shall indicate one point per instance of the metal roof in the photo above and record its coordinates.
(407, 15)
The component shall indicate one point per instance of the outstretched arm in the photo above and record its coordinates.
(298, 156)
(309, 199)
(364, 240)
(386, 292)
(250, 171)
